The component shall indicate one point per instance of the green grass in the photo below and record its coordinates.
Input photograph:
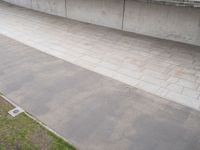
(23, 133)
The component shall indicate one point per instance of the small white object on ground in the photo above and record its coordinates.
(16, 111)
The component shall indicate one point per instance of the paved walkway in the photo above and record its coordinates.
(92, 111)
(167, 69)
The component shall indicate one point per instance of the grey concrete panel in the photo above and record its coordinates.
(166, 22)
(10, 1)
(23, 3)
(55, 7)
(101, 12)
(92, 111)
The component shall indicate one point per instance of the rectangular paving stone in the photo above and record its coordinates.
(188, 84)
(191, 93)
(175, 88)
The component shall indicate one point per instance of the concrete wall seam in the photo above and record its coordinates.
(124, 7)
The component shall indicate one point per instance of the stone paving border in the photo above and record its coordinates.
(167, 69)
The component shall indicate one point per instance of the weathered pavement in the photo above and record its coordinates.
(92, 111)
(164, 68)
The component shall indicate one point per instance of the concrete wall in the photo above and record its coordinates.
(163, 21)
(167, 22)
(102, 12)
(54, 7)
(23, 3)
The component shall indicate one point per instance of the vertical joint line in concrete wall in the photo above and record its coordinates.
(65, 8)
(123, 13)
